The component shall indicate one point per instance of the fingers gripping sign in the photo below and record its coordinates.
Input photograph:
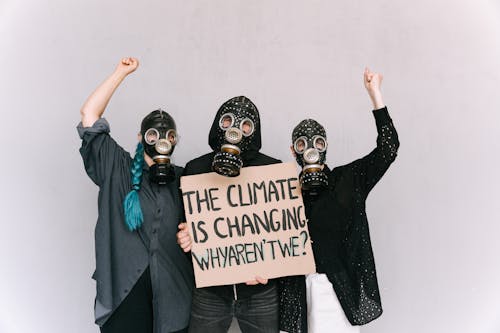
(184, 241)
(245, 229)
(258, 280)
(183, 237)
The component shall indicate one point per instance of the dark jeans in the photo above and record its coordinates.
(135, 313)
(214, 314)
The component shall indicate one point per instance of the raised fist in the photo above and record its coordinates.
(127, 65)
(372, 81)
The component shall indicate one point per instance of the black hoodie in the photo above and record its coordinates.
(251, 157)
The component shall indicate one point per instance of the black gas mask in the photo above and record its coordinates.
(238, 122)
(159, 137)
(309, 144)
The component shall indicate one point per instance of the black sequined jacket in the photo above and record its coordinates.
(338, 227)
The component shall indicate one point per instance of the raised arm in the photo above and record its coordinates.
(96, 103)
(369, 169)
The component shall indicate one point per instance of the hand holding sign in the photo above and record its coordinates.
(183, 238)
(257, 280)
(184, 241)
(250, 225)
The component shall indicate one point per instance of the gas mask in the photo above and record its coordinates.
(237, 125)
(309, 144)
(159, 137)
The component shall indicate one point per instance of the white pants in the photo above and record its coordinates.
(324, 313)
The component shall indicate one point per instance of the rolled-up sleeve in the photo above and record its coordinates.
(99, 150)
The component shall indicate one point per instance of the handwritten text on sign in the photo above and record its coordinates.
(247, 226)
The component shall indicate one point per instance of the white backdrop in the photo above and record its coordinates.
(434, 217)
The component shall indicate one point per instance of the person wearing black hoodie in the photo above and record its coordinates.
(344, 292)
(235, 138)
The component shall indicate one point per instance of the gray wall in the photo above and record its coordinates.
(434, 217)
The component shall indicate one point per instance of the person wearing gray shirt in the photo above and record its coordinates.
(144, 280)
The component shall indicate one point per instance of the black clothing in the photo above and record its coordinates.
(213, 313)
(135, 313)
(340, 236)
(251, 157)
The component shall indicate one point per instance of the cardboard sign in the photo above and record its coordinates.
(247, 226)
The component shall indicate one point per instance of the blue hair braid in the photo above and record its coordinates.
(131, 204)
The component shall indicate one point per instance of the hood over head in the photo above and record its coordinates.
(241, 108)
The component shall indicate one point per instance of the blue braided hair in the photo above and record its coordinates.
(131, 204)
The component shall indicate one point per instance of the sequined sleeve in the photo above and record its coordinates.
(369, 169)
(293, 305)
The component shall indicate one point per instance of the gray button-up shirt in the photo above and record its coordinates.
(122, 255)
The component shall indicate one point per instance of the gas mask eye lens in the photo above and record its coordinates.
(226, 121)
(319, 143)
(151, 136)
(300, 145)
(247, 127)
(172, 136)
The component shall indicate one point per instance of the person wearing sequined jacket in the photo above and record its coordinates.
(343, 293)
(144, 280)
(235, 138)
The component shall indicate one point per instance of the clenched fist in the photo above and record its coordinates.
(127, 65)
(372, 82)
